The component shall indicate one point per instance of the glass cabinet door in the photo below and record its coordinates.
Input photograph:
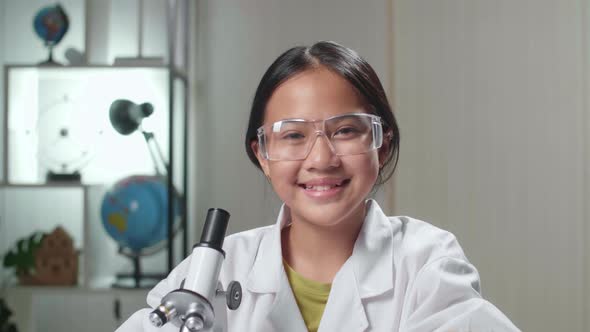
(58, 121)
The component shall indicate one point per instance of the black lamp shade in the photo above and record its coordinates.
(126, 116)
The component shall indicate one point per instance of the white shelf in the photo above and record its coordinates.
(46, 185)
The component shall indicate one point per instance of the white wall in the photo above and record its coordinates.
(585, 9)
(237, 41)
(2, 11)
(492, 102)
(22, 46)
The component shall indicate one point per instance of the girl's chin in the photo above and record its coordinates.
(327, 215)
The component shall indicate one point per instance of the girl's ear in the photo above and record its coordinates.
(384, 150)
(261, 160)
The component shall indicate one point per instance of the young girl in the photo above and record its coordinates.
(323, 133)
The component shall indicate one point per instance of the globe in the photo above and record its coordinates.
(134, 212)
(51, 24)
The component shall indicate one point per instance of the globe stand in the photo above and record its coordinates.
(50, 61)
(136, 279)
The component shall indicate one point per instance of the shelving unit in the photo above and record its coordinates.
(91, 90)
(28, 202)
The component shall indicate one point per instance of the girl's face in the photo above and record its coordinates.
(324, 189)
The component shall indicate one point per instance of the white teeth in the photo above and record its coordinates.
(319, 188)
(323, 187)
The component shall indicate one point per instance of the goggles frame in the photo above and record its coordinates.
(376, 131)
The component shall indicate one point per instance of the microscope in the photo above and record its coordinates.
(199, 304)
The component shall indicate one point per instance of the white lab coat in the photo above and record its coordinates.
(403, 275)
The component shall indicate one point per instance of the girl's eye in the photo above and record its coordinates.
(346, 132)
(292, 136)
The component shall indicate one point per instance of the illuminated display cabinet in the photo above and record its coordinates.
(57, 120)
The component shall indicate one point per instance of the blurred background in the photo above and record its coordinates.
(149, 99)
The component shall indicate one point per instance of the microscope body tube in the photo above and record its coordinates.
(203, 280)
(208, 255)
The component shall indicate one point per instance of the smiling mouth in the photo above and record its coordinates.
(324, 187)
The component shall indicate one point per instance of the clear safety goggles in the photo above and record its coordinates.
(347, 134)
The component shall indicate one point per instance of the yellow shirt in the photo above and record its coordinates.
(311, 297)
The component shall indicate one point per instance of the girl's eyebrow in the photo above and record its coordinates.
(295, 119)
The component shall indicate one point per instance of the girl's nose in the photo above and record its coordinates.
(322, 154)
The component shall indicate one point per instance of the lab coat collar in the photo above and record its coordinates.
(371, 262)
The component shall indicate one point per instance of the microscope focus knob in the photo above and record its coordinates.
(194, 323)
(233, 295)
(156, 320)
(161, 315)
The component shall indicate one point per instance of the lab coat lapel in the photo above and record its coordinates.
(285, 314)
(268, 276)
(344, 310)
(368, 272)
(372, 256)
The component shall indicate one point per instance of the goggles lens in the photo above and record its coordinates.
(347, 134)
